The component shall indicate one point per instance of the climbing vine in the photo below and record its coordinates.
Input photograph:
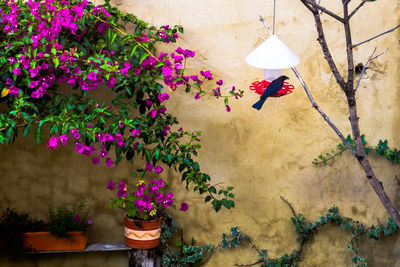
(381, 149)
(193, 255)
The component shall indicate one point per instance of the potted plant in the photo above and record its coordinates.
(12, 226)
(66, 230)
(143, 211)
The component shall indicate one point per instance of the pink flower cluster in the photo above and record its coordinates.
(147, 197)
(53, 142)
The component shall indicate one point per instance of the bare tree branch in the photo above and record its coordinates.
(376, 36)
(366, 64)
(326, 118)
(324, 46)
(265, 25)
(348, 88)
(324, 10)
(349, 51)
(357, 8)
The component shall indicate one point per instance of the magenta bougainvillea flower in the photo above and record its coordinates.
(63, 139)
(149, 167)
(153, 113)
(103, 152)
(111, 185)
(135, 132)
(109, 162)
(158, 169)
(75, 133)
(184, 206)
(163, 97)
(53, 142)
(102, 27)
(96, 160)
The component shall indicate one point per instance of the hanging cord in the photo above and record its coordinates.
(273, 25)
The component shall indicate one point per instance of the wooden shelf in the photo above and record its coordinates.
(92, 248)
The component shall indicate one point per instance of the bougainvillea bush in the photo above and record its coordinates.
(54, 54)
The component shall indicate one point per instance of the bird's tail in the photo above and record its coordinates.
(259, 104)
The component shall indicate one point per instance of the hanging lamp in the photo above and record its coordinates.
(272, 55)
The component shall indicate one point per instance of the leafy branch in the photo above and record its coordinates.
(381, 149)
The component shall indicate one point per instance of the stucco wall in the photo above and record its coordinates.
(264, 154)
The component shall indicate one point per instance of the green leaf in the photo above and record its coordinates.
(114, 35)
(56, 62)
(27, 129)
(38, 135)
(126, 38)
(212, 189)
(143, 57)
(157, 155)
(216, 205)
(133, 50)
(147, 155)
(208, 198)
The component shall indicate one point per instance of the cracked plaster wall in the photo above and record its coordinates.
(264, 154)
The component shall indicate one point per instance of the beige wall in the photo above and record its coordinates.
(265, 154)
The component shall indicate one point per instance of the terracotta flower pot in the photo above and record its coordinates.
(45, 241)
(142, 234)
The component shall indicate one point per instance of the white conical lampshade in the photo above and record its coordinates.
(272, 54)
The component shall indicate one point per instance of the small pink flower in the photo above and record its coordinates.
(53, 142)
(110, 185)
(197, 96)
(135, 132)
(63, 139)
(158, 169)
(95, 160)
(163, 97)
(153, 113)
(149, 167)
(109, 162)
(184, 206)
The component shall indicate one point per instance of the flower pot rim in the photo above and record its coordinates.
(141, 220)
(43, 233)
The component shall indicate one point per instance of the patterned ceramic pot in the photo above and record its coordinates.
(142, 234)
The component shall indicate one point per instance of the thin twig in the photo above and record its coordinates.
(324, 10)
(376, 36)
(326, 118)
(20, 125)
(331, 157)
(365, 66)
(357, 8)
(265, 25)
(125, 34)
(252, 264)
(291, 207)
(375, 57)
